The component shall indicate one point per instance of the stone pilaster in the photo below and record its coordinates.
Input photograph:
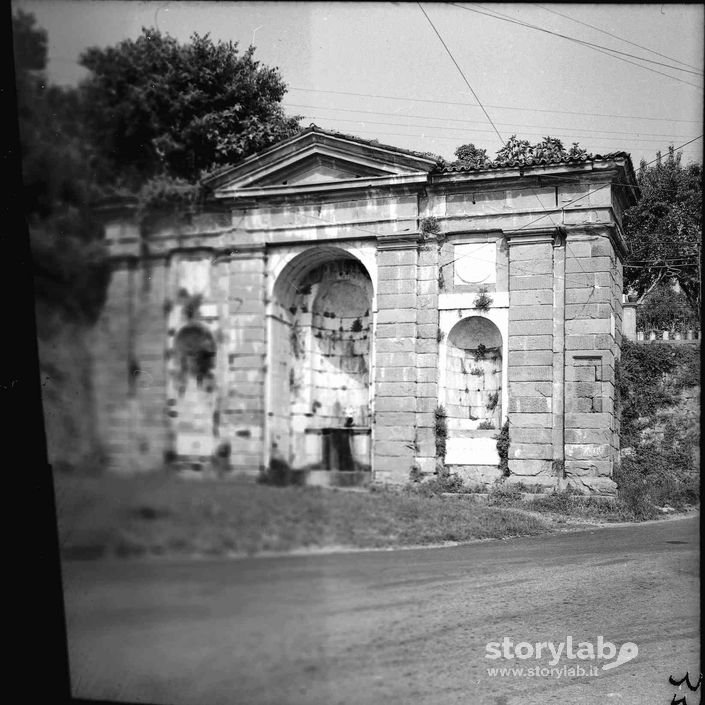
(426, 355)
(394, 448)
(243, 412)
(593, 313)
(531, 356)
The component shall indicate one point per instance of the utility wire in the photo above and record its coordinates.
(615, 36)
(467, 83)
(477, 129)
(470, 122)
(494, 127)
(496, 107)
(500, 15)
(589, 45)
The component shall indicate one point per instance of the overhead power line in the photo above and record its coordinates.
(445, 128)
(613, 52)
(615, 36)
(479, 122)
(467, 83)
(496, 107)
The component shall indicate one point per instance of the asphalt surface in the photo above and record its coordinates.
(393, 627)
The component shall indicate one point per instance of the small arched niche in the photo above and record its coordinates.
(473, 390)
(194, 412)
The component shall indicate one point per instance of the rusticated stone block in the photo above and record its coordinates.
(395, 389)
(588, 435)
(530, 252)
(398, 449)
(589, 264)
(530, 342)
(384, 418)
(521, 358)
(530, 327)
(530, 468)
(395, 345)
(393, 258)
(396, 301)
(588, 420)
(530, 297)
(406, 315)
(587, 326)
(531, 283)
(531, 451)
(529, 405)
(531, 373)
(587, 451)
(395, 330)
(517, 420)
(538, 312)
(395, 404)
(530, 435)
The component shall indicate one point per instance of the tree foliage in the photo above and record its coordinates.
(664, 229)
(666, 308)
(150, 119)
(471, 156)
(160, 108)
(58, 184)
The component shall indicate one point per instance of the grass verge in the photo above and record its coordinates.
(163, 515)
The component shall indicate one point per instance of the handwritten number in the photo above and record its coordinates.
(686, 678)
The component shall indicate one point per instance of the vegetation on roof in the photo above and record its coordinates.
(517, 152)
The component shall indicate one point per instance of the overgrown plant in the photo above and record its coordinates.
(492, 401)
(441, 431)
(503, 449)
(429, 226)
(483, 301)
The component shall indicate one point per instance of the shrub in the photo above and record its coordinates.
(415, 474)
(441, 431)
(483, 301)
(503, 449)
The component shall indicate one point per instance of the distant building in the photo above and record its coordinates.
(336, 292)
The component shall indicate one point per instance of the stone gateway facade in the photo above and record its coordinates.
(335, 301)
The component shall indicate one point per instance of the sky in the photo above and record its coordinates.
(466, 72)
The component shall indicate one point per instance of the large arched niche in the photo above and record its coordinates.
(320, 333)
(473, 374)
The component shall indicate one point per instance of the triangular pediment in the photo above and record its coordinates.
(316, 158)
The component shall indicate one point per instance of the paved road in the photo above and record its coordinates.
(391, 627)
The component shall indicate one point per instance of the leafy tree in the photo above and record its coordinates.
(158, 108)
(666, 308)
(472, 156)
(664, 229)
(57, 184)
